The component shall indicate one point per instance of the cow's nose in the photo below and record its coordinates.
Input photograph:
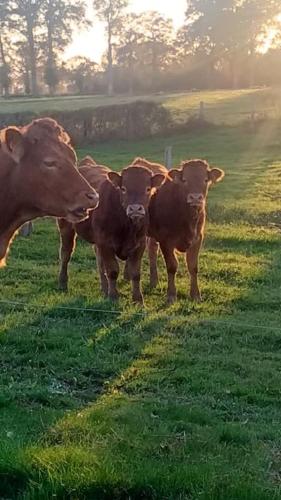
(195, 199)
(135, 211)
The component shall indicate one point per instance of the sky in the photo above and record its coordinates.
(92, 43)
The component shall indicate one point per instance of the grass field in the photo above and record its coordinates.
(223, 106)
(180, 403)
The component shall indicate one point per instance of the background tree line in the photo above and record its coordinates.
(219, 45)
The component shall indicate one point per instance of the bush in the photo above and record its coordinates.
(132, 121)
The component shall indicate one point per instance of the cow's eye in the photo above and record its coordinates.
(148, 190)
(207, 180)
(123, 189)
(50, 163)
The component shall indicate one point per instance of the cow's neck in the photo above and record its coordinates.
(14, 213)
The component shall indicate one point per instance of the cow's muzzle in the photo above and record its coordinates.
(135, 212)
(196, 200)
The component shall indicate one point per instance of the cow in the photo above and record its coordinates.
(152, 245)
(38, 177)
(95, 175)
(118, 227)
(156, 168)
(177, 215)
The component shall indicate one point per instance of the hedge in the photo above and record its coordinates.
(136, 120)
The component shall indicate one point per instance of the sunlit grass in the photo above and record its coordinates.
(177, 403)
(221, 106)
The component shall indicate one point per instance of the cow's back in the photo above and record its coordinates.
(94, 174)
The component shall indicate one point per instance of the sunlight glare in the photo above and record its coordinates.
(92, 43)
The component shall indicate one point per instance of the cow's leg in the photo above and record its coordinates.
(153, 249)
(68, 239)
(111, 267)
(127, 276)
(172, 267)
(192, 256)
(134, 267)
(102, 273)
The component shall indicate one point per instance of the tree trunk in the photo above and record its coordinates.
(2, 52)
(252, 69)
(110, 85)
(51, 59)
(32, 53)
(234, 74)
(5, 84)
(131, 74)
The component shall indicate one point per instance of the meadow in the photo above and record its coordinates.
(113, 402)
(221, 106)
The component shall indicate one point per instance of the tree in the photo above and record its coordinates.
(80, 71)
(110, 11)
(127, 51)
(21, 72)
(146, 46)
(27, 16)
(5, 25)
(60, 19)
(228, 30)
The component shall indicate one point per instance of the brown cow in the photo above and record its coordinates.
(38, 178)
(156, 168)
(95, 175)
(118, 227)
(177, 219)
(152, 245)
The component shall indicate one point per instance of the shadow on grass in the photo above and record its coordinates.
(181, 407)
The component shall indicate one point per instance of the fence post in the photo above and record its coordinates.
(202, 111)
(168, 157)
(26, 229)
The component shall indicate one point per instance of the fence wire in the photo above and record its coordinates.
(145, 314)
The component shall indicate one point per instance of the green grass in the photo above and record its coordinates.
(222, 106)
(180, 403)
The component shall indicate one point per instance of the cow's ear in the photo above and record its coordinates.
(175, 174)
(157, 180)
(115, 178)
(216, 175)
(13, 143)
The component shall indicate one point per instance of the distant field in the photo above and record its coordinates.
(224, 106)
(180, 404)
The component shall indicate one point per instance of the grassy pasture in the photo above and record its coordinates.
(180, 403)
(223, 106)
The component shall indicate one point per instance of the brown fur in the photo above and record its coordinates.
(156, 168)
(38, 177)
(177, 221)
(113, 228)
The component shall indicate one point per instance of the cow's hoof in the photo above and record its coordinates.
(171, 299)
(63, 287)
(196, 297)
(138, 300)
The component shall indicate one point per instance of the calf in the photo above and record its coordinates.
(177, 219)
(38, 177)
(152, 245)
(118, 227)
(95, 175)
(156, 168)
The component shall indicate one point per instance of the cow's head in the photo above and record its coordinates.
(195, 178)
(47, 171)
(136, 184)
